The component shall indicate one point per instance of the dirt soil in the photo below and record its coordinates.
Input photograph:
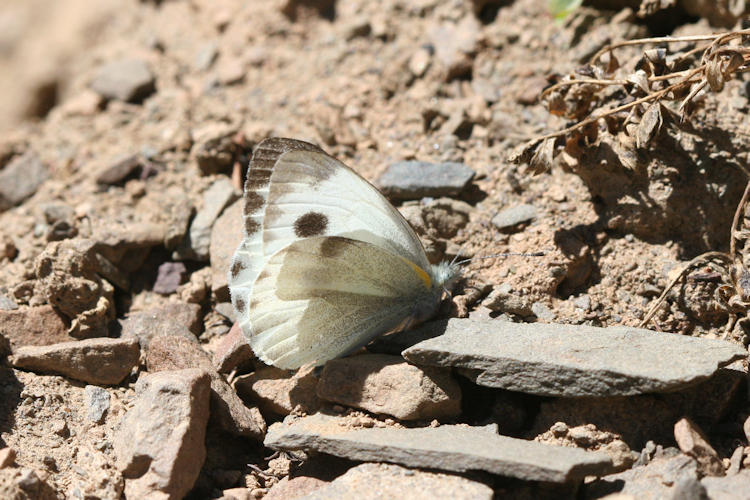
(372, 83)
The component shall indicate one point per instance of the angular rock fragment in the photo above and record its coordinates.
(175, 318)
(386, 481)
(7, 304)
(232, 351)
(20, 179)
(72, 275)
(120, 170)
(279, 392)
(388, 385)
(658, 479)
(169, 276)
(160, 443)
(294, 487)
(454, 44)
(128, 80)
(99, 361)
(448, 447)
(227, 409)
(693, 443)
(226, 236)
(407, 180)
(513, 216)
(736, 487)
(97, 403)
(7, 457)
(214, 146)
(196, 245)
(572, 360)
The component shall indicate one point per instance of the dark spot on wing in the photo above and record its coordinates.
(333, 246)
(237, 267)
(253, 202)
(239, 304)
(251, 227)
(310, 224)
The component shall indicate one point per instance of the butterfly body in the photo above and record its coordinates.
(326, 263)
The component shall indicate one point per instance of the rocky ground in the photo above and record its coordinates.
(127, 129)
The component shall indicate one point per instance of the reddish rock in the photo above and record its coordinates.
(372, 480)
(160, 445)
(238, 494)
(232, 351)
(389, 385)
(39, 325)
(693, 443)
(23, 484)
(176, 318)
(170, 276)
(278, 391)
(7, 457)
(227, 409)
(226, 236)
(295, 487)
(99, 361)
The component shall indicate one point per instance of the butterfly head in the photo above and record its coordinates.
(444, 275)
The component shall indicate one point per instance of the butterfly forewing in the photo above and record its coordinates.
(313, 194)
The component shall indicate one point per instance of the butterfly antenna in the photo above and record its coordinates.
(507, 254)
(458, 254)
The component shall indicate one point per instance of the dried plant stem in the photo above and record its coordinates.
(697, 260)
(716, 40)
(735, 222)
(593, 81)
(591, 119)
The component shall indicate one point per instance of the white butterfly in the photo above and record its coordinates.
(326, 263)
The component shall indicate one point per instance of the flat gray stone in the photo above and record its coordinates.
(736, 487)
(408, 180)
(217, 197)
(20, 179)
(385, 482)
(128, 80)
(448, 447)
(514, 215)
(572, 360)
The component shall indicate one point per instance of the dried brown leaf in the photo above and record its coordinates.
(543, 159)
(626, 153)
(714, 76)
(556, 103)
(733, 64)
(650, 124)
(612, 64)
(524, 152)
(640, 80)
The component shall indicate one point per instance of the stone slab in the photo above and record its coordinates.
(385, 482)
(449, 447)
(572, 360)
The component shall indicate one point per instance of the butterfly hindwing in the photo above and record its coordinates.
(314, 300)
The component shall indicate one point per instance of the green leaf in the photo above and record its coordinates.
(561, 8)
